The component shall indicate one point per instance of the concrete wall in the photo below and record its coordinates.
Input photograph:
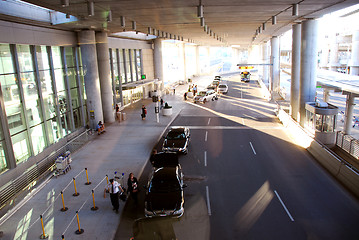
(148, 65)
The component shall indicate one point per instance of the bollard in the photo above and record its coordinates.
(94, 208)
(107, 179)
(62, 237)
(87, 177)
(63, 209)
(43, 235)
(78, 231)
(76, 193)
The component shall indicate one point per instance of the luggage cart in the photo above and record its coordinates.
(63, 164)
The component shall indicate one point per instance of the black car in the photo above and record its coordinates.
(164, 192)
(177, 140)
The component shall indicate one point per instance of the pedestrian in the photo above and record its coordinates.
(185, 96)
(195, 90)
(100, 128)
(117, 108)
(143, 112)
(132, 185)
(174, 90)
(161, 103)
(114, 188)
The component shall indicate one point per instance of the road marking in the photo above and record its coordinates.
(209, 120)
(208, 203)
(205, 137)
(254, 151)
(285, 208)
(231, 127)
(205, 158)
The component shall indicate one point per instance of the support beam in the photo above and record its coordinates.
(295, 77)
(349, 109)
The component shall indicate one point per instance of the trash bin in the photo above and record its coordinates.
(123, 116)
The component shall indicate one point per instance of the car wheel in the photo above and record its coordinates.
(212, 98)
(204, 100)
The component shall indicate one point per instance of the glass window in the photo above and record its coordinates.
(56, 57)
(133, 65)
(33, 108)
(42, 58)
(122, 67)
(59, 80)
(21, 146)
(328, 123)
(318, 122)
(128, 65)
(75, 98)
(3, 164)
(6, 64)
(62, 101)
(53, 128)
(138, 63)
(71, 73)
(70, 59)
(77, 118)
(37, 138)
(25, 58)
(47, 94)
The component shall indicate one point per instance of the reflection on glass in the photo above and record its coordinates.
(62, 101)
(21, 146)
(25, 58)
(71, 73)
(318, 122)
(42, 58)
(53, 128)
(128, 65)
(3, 164)
(122, 68)
(77, 118)
(133, 64)
(70, 59)
(75, 98)
(138, 63)
(6, 65)
(59, 76)
(56, 57)
(37, 138)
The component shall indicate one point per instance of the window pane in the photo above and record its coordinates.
(14, 112)
(33, 109)
(6, 65)
(56, 57)
(62, 101)
(77, 118)
(21, 147)
(128, 65)
(133, 64)
(66, 123)
(25, 58)
(75, 98)
(59, 77)
(71, 73)
(122, 68)
(42, 58)
(53, 128)
(69, 57)
(37, 138)
(138, 63)
(3, 164)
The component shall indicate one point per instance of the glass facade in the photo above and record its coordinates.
(38, 83)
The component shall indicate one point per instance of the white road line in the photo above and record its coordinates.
(205, 158)
(285, 208)
(233, 127)
(254, 151)
(209, 120)
(208, 203)
(205, 137)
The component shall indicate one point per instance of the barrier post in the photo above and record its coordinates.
(76, 193)
(87, 177)
(63, 209)
(107, 179)
(63, 237)
(43, 235)
(78, 231)
(94, 208)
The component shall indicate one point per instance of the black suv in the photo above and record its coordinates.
(177, 140)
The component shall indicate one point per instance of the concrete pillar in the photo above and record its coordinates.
(354, 66)
(308, 65)
(295, 77)
(334, 49)
(184, 62)
(275, 61)
(87, 42)
(158, 61)
(198, 67)
(349, 109)
(266, 60)
(103, 59)
(326, 94)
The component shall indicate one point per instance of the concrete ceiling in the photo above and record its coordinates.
(233, 21)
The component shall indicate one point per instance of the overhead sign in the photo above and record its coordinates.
(246, 67)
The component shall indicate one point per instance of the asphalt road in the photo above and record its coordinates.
(247, 180)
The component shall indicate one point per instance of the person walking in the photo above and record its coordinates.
(143, 112)
(114, 189)
(185, 96)
(132, 185)
(161, 103)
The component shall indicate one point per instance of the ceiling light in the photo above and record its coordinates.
(274, 20)
(109, 16)
(123, 23)
(295, 10)
(202, 22)
(133, 25)
(259, 29)
(200, 11)
(65, 3)
(90, 8)
(264, 26)
(205, 28)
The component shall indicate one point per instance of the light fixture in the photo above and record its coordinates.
(123, 23)
(205, 28)
(274, 20)
(163, 34)
(295, 9)
(133, 25)
(65, 3)
(202, 22)
(109, 16)
(208, 30)
(149, 30)
(210, 33)
(166, 34)
(264, 26)
(90, 8)
(259, 29)
(200, 11)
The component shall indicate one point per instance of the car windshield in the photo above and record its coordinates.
(172, 135)
(222, 86)
(202, 94)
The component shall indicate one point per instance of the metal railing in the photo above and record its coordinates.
(25, 181)
(348, 144)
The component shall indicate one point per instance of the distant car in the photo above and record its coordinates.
(215, 83)
(218, 78)
(211, 87)
(181, 82)
(223, 88)
(205, 96)
(245, 76)
(164, 192)
(177, 140)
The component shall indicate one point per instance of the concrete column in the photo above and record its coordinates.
(326, 94)
(275, 61)
(184, 62)
(349, 109)
(158, 62)
(103, 59)
(308, 65)
(334, 48)
(295, 78)
(354, 66)
(198, 67)
(87, 44)
(266, 60)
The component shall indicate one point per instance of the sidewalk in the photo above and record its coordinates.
(125, 147)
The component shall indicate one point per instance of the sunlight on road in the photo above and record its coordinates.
(23, 226)
(254, 208)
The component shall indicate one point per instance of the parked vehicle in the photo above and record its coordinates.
(245, 76)
(218, 78)
(223, 88)
(205, 96)
(177, 140)
(215, 83)
(164, 192)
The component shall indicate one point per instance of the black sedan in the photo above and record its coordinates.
(164, 195)
(177, 140)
